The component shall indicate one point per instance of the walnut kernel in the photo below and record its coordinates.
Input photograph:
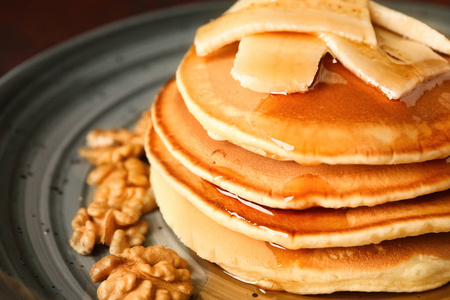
(84, 234)
(112, 146)
(143, 273)
(129, 237)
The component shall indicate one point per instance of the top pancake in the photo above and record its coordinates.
(349, 123)
(286, 184)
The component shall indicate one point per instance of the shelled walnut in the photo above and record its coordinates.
(118, 204)
(132, 171)
(143, 273)
(124, 188)
(113, 218)
(112, 146)
(124, 202)
(84, 233)
(123, 194)
(89, 231)
(128, 237)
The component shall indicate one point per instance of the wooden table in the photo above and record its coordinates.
(28, 27)
(31, 26)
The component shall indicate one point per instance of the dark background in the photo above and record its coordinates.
(28, 27)
(31, 26)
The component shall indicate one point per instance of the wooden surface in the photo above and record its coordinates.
(28, 27)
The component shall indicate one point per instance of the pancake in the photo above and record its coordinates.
(283, 184)
(309, 228)
(338, 123)
(402, 265)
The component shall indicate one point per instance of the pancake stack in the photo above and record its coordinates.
(344, 186)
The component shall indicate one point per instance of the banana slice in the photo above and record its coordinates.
(390, 19)
(408, 27)
(278, 62)
(346, 18)
(396, 66)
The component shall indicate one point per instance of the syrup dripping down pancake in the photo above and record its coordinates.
(310, 228)
(350, 123)
(283, 184)
(402, 265)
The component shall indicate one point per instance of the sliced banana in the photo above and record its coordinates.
(390, 19)
(278, 63)
(396, 66)
(408, 27)
(346, 18)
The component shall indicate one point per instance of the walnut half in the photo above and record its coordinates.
(143, 273)
(124, 188)
(128, 237)
(84, 233)
(112, 146)
(122, 197)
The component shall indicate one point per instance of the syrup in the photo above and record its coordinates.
(412, 97)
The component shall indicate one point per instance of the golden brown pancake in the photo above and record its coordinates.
(309, 228)
(401, 265)
(283, 184)
(349, 123)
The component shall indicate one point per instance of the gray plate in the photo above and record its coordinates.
(103, 79)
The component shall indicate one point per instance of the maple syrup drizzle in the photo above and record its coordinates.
(412, 97)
